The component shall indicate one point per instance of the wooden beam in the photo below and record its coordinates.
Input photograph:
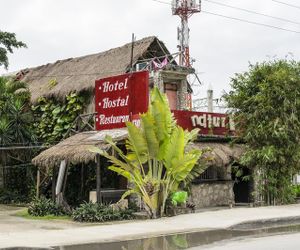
(98, 178)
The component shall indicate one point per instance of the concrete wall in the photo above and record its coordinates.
(210, 194)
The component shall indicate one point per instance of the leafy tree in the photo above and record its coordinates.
(266, 104)
(8, 42)
(156, 162)
(15, 120)
(54, 119)
(15, 115)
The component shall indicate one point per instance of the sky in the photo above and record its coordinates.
(60, 29)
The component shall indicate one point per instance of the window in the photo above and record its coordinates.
(212, 173)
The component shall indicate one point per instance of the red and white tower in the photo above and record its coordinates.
(185, 9)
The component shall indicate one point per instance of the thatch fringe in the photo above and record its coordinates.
(76, 149)
(221, 154)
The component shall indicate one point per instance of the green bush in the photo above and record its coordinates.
(179, 198)
(296, 190)
(93, 212)
(12, 197)
(43, 207)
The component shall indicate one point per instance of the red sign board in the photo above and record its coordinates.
(120, 98)
(208, 123)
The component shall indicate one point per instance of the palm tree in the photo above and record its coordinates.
(15, 116)
(156, 161)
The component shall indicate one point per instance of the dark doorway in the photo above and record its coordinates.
(242, 184)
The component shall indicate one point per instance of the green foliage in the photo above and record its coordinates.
(156, 161)
(12, 197)
(296, 190)
(94, 212)
(16, 129)
(53, 119)
(8, 42)
(24, 214)
(44, 207)
(266, 105)
(179, 198)
(15, 115)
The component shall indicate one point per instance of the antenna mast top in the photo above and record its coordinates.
(185, 9)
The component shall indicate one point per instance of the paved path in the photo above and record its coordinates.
(13, 224)
(74, 233)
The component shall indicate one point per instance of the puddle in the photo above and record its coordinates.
(180, 241)
(184, 241)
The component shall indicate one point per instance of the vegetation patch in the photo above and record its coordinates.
(94, 212)
(24, 214)
(157, 162)
(53, 119)
(45, 207)
(265, 102)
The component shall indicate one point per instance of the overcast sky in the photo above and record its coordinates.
(59, 29)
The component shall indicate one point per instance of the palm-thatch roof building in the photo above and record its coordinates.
(79, 74)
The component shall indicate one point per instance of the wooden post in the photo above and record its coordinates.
(98, 178)
(82, 181)
(65, 180)
(38, 181)
(54, 182)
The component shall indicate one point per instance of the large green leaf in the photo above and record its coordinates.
(129, 192)
(163, 117)
(136, 144)
(121, 171)
(175, 148)
(150, 134)
(182, 168)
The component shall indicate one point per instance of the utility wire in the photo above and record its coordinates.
(242, 20)
(162, 2)
(252, 12)
(288, 4)
(251, 22)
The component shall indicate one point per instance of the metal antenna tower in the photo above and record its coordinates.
(184, 9)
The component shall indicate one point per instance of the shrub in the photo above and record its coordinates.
(296, 190)
(43, 207)
(94, 212)
(12, 197)
(179, 198)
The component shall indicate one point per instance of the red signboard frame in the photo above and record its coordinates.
(120, 98)
(216, 124)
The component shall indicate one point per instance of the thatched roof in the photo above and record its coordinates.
(64, 76)
(76, 149)
(221, 154)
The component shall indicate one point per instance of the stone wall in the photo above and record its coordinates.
(211, 194)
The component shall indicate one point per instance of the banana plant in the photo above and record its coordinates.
(156, 161)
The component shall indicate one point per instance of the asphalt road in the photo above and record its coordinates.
(275, 242)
